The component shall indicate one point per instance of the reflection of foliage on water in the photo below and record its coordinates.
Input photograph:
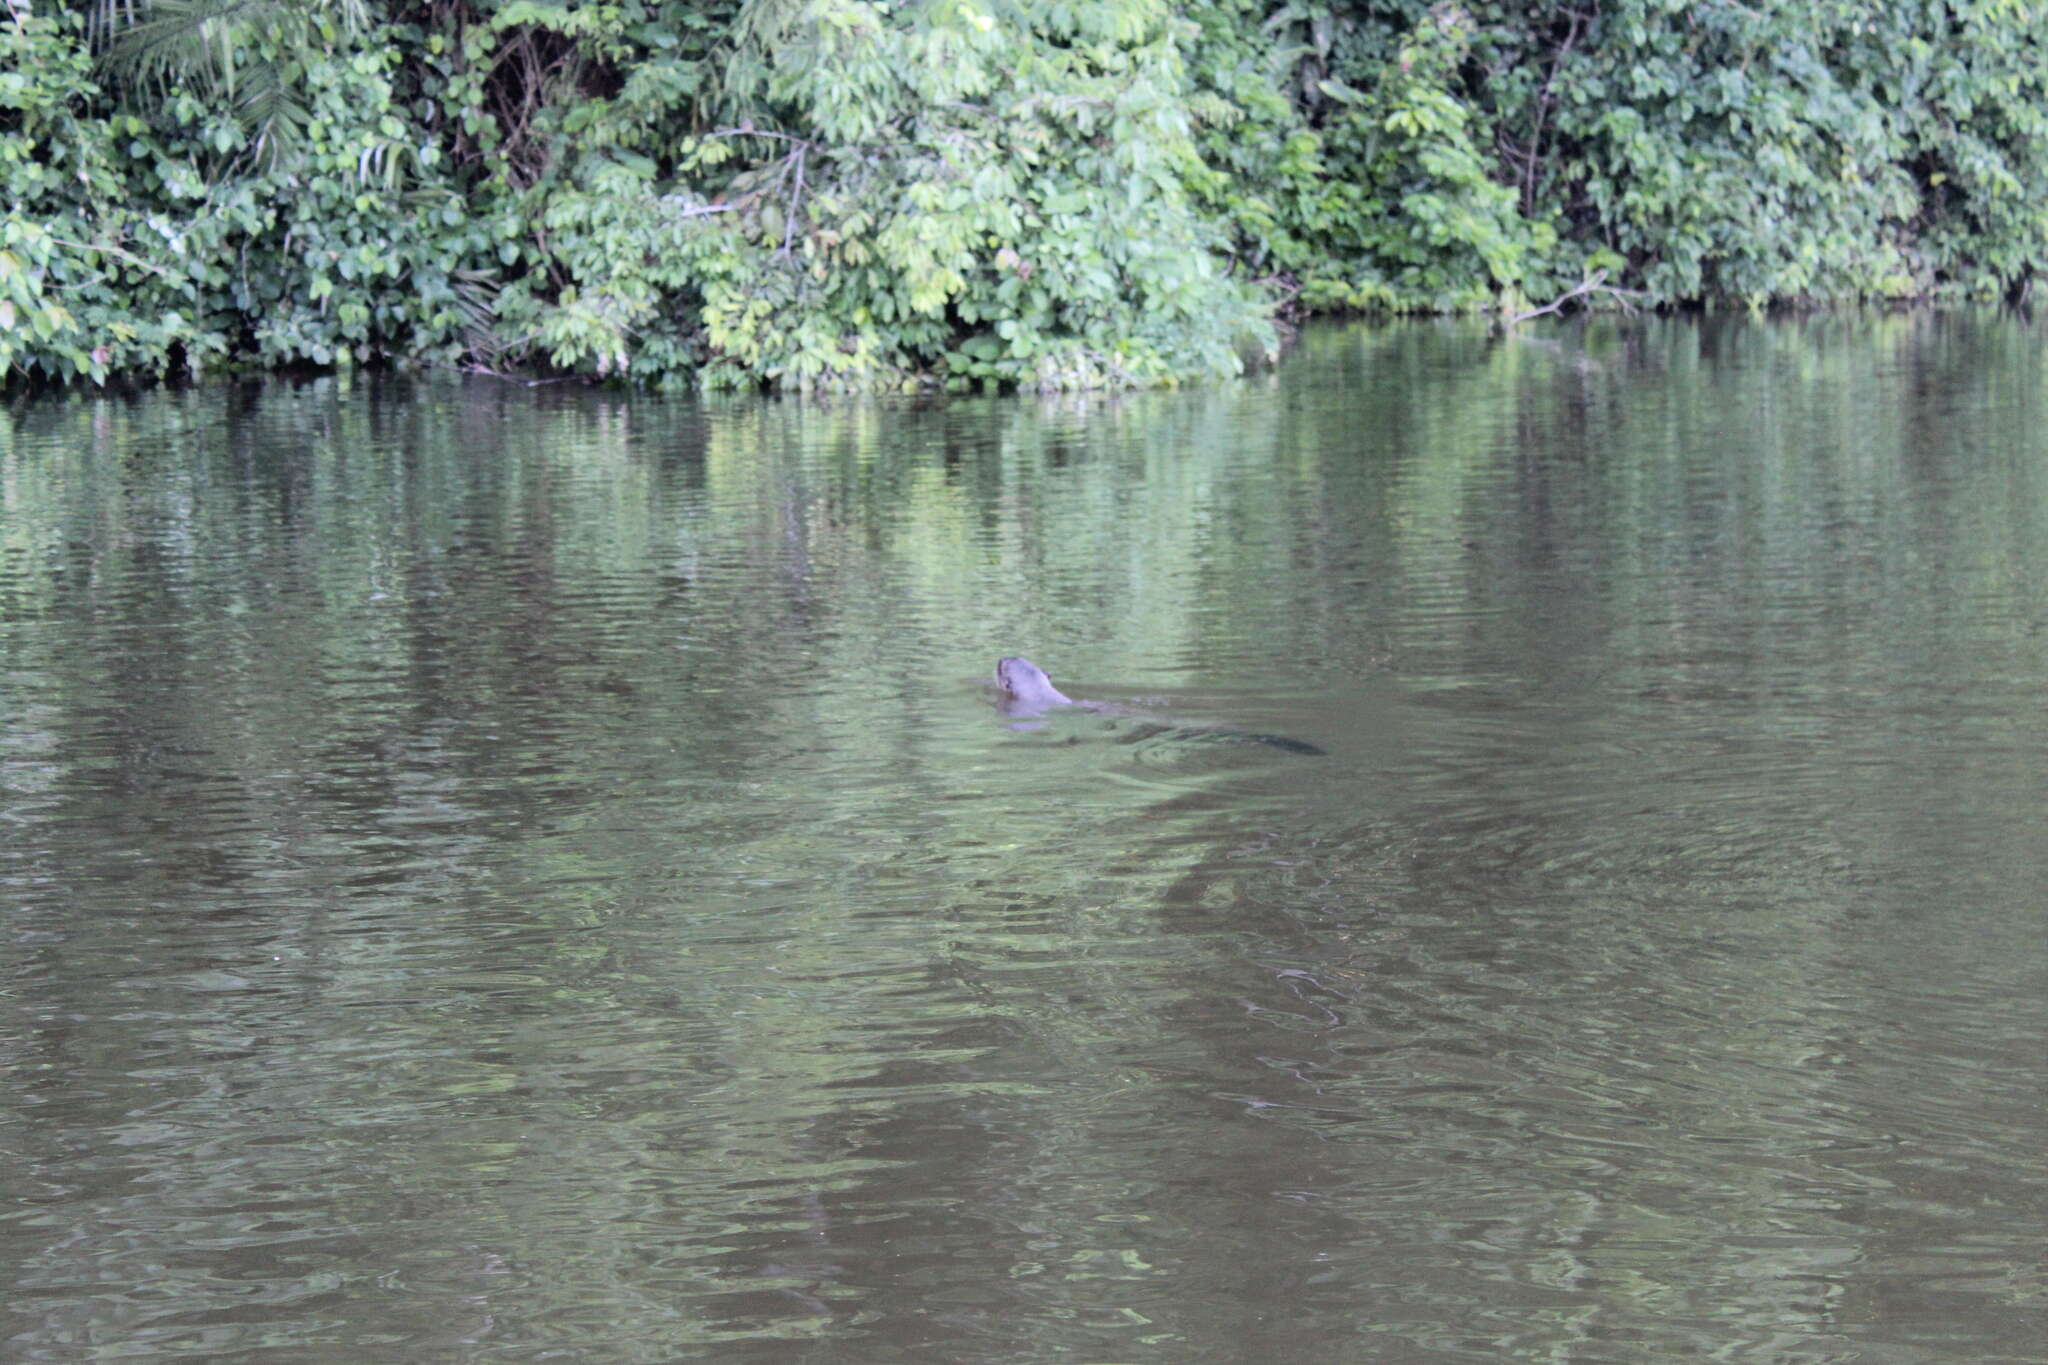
(577, 811)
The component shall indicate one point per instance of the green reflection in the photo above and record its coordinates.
(491, 871)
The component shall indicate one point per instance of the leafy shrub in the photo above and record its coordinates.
(826, 194)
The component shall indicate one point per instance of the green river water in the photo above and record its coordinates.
(503, 874)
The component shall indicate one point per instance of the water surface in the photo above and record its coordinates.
(503, 874)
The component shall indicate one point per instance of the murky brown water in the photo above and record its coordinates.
(506, 875)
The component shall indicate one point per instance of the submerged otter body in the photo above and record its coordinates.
(1028, 691)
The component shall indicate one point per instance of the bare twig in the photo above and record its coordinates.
(489, 373)
(113, 251)
(1543, 103)
(795, 202)
(749, 130)
(1593, 283)
(699, 210)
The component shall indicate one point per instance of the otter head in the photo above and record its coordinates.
(1027, 685)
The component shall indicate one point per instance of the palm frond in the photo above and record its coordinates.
(274, 118)
(240, 53)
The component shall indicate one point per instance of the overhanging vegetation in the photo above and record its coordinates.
(1042, 193)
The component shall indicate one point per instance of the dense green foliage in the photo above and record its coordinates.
(1049, 193)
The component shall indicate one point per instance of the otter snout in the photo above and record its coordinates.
(1026, 682)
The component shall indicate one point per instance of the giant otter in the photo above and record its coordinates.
(1028, 691)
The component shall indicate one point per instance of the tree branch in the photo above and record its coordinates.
(113, 251)
(1592, 284)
